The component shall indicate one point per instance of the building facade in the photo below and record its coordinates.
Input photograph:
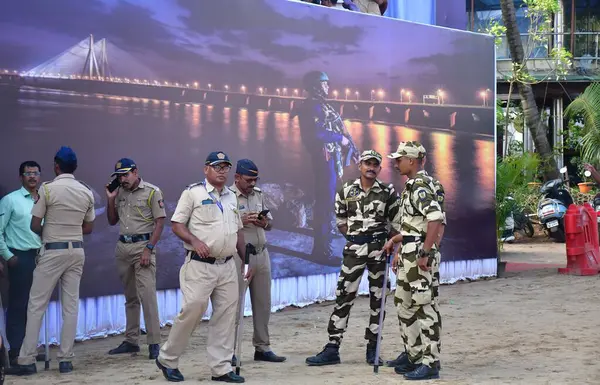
(577, 29)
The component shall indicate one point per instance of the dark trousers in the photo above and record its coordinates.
(20, 279)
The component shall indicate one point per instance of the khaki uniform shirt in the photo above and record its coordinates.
(422, 201)
(253, 203)
(212, 218)
(64, 203)
(139, 208)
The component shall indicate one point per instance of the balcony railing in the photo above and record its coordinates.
(584, 46)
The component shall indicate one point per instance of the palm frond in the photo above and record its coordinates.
(587, 106)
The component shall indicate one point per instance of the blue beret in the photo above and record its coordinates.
(246, 167)
(123, 166)
(67, 155)
(216, 157)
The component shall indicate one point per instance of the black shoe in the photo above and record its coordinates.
(229, 377)
(330, 355)
(65, 367)
(234, 361)
(153, 350)
(41, 357)
(173, 375)
(268, 356)
(13, 358)
(402, 359)
(125, 347)
(21, 370)
(370, 355)
(405, 367)
(423, 372)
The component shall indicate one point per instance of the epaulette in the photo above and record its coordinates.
(257, 189)
(230, 189)
(194, 185)
(83, 183)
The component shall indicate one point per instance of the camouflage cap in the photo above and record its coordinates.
(412, 149)
(370, 154)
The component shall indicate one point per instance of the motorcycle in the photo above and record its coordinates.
(523, 223)
(518, 220)
(553, 206)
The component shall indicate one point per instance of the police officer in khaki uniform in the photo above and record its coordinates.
(139, 209)
(66, 206)
(208, 221)
(250, 201)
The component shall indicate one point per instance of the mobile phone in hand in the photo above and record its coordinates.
(113, 185)
(263, 214)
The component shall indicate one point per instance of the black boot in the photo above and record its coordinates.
(402, 359)
(330, 355)
(370, 356)
(423, 372)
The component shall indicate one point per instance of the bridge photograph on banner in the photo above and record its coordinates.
(165, 83)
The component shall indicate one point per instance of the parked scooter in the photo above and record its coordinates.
(553, 206)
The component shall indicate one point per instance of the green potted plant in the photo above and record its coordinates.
(587, 184)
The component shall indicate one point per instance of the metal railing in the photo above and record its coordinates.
(584, 46)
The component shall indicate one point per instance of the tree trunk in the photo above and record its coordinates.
(530, 109)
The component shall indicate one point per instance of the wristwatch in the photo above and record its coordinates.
(150, 246)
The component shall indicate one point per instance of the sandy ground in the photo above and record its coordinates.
(531, 327)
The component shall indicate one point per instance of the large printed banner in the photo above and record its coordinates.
(166, 82)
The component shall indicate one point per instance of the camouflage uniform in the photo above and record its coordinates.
(368, 215)
(417, 291)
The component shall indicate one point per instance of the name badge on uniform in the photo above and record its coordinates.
(353, 195)
(208, 202)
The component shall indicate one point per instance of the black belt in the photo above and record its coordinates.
(134, 238)
(411, 238)
(362, 239)
(210, 260)
(63, 245)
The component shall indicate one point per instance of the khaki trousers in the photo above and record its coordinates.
(260, 297)
(199, 282)
(140, 287)
(52, 266)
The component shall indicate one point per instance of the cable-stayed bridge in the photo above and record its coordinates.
(100, 67)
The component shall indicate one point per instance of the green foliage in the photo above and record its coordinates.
(539, 34)
(512, 175)
(586, 109)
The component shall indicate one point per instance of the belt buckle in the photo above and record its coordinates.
(128, 238)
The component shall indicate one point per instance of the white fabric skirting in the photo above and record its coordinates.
(105, 316)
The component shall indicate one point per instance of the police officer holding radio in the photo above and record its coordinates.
(138, 207)
(256, 219)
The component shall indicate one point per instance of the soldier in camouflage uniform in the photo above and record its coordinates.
(331, 149)
(364, 210)
(421, 221)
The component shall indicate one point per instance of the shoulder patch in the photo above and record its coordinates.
(191, 186)
(422, 194)
(83, 183)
